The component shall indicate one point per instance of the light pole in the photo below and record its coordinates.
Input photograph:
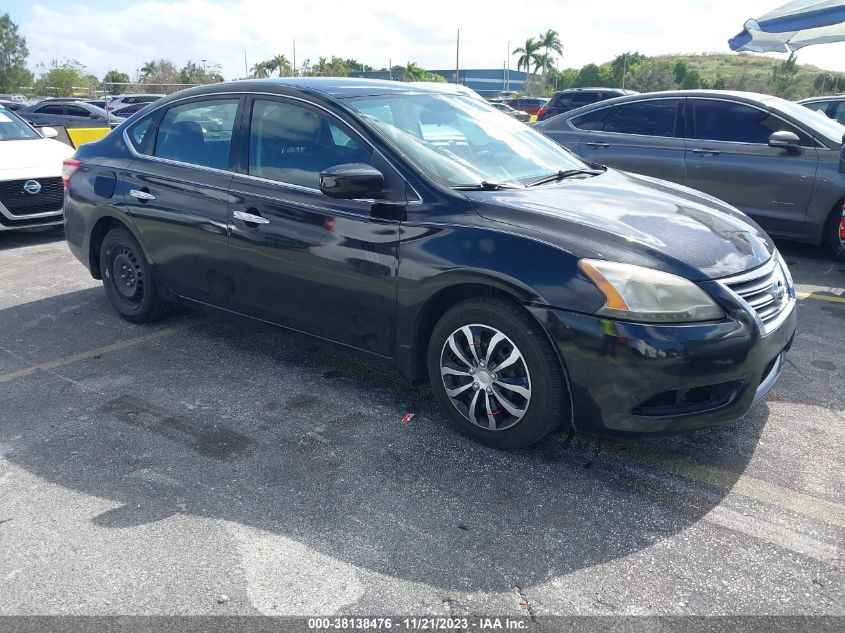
(294, 58)
(458, 57)
(508, 72)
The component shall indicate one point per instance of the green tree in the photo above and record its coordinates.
(115, 77)
(527, 57)
(260, 70)
(62, 78)
(550, 43)
(651, 77)
(623, 65)
(159, 75)
(13, 54)
(354, 65)
(784, 76)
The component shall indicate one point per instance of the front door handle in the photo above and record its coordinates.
(249, 218)
(598, 145)
(704, 151)
(143, 196)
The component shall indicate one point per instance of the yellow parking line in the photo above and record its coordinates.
(820, 297)
(745, 485)
(97, 351)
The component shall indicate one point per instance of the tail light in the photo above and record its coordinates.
(109, 108)
(541, 112)
(69, 167)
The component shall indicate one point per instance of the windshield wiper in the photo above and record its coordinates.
(486, 185)
(564, 174)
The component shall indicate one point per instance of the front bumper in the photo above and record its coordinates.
(630, 377)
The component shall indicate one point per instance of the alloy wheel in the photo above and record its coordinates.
(485, 376)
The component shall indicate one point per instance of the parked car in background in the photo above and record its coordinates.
(31, 189)
(17, 98)
(531, 105)
(70, 114)
(129, 110)
(773, 159)
(833, 107)
(121, 101)
(11, 105)
(530, 288)
(566, 100)
(519, 115)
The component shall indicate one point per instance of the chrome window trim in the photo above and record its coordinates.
(238, 95)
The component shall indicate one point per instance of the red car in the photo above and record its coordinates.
(531, 105)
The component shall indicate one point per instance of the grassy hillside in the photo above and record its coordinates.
(748, 71)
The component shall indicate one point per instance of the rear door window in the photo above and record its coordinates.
(53, 109)
(199, 133)
(647, 118)
(72, 110)
(838, 112)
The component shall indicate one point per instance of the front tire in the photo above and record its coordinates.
(128, 280)
(494, 372)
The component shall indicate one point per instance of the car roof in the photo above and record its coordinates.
(823, 98)
(748, 97)
(338, 87)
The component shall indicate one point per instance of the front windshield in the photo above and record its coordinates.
(818, 121)
(462, 142)
(13, 128)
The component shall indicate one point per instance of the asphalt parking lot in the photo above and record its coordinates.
(209, 466)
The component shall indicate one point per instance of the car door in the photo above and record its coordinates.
(176, 191)
(47, 114)
(643, 137)
(728, 156)
(299, 258)
(77, 116)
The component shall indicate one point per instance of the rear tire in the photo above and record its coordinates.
(833, 231)
(507, 388)
(128, 280)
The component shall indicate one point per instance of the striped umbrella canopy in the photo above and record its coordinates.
(794, 25)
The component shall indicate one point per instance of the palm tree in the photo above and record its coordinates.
(550, 43)
(281, 63)
(149, 68)
(527, 56)
(260, 70)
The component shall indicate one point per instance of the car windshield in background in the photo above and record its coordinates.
(822, 124)
(463, 142)
(14, 129)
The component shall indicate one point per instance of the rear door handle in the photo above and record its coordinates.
(143, 196)
(249, 218)
(598, 145)
(704, 151)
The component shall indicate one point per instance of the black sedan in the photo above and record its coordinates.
(435, 233)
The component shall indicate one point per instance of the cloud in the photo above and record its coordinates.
(104, 36)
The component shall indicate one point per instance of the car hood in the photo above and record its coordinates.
(32, 158)
(634, 219)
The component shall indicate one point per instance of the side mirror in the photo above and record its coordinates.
(49, 132)
(352, 180)
(785, 140)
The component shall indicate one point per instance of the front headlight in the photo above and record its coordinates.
(635, 293)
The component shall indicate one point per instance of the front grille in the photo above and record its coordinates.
(766, 291)
(21, 204)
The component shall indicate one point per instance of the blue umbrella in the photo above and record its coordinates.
(795, 25)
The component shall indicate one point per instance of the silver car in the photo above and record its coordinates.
(777, 161)
(833, 107)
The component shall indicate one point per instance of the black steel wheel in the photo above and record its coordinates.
(127, 279)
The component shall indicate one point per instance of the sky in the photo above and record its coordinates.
(122, 35)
